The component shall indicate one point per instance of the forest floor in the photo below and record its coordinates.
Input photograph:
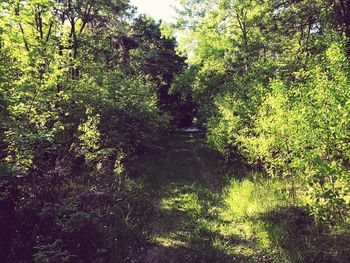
(189, 186)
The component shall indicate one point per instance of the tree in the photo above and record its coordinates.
(73, 117)
(264, 70)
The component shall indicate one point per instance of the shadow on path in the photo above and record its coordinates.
(186, 225)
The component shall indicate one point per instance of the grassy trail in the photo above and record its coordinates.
(200, 216)
(186, 225)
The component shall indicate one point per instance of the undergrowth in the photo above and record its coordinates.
(265, 214)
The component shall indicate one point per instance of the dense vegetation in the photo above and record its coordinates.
(272, 82)
(81, 94)
(90, 91)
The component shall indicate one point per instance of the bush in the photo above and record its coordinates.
(298, 132)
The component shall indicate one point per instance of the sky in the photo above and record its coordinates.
(158, 9)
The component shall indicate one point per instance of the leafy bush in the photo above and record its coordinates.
(301, 133)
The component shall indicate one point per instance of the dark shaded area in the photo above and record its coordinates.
(70, 216)
(302, 239)
(161, 64)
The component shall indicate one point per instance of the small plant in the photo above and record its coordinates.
(50, 253)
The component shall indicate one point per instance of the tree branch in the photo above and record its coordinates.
(24, 38)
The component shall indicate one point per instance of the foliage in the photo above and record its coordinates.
(272, 83)
(154, 50)
(86, 88)
(75, 112)
(260, 211)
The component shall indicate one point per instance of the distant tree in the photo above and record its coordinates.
(156, 59)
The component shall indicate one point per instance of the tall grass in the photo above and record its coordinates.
(266, 215)
(247, 198)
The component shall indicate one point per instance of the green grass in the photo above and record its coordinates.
(214, 218)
